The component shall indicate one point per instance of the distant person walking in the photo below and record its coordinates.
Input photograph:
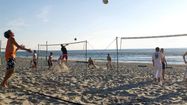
(64, 53)
(157, 64)
(109, 62)
(164, 63)
(185, 74)
(10, 55)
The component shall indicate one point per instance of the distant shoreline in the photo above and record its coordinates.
(173, 56)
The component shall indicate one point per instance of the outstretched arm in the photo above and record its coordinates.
(22, 47)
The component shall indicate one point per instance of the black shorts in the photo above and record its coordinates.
(10, 63)
(50, 63)
(163, 65)
(35, 62)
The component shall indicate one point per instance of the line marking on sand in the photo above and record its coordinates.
(30, 92)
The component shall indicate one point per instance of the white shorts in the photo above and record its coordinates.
(157, 72)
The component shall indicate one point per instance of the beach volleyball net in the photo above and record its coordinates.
(150, 43)
(77, 53)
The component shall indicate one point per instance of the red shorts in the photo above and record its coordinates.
(65, 56)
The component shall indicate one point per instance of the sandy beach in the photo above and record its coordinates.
(132, 84)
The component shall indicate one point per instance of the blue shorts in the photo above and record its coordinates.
(10, 63)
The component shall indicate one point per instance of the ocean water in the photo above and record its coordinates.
(173, 55)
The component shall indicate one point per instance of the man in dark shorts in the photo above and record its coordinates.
(109, 62)
(34, 59)
(91, 63)
(10, 55)
(164, 62)
(50, 63)
(64, 53)
(185, 73)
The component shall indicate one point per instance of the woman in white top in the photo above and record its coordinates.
(157, 63)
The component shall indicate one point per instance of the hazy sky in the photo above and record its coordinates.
(60, 21)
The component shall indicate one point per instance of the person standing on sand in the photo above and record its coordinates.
(185, 74)
(10, 55)
(157, 64)
(109, 62)
(91, 63)
(50, 63)
(164, 62)
(34, 59)
(64, 52)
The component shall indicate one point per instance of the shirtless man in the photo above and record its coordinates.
(91, 63)
(185, 74)
(64, 53)
(10, 55)
(109, 62)
(164, 62)
(34, 59)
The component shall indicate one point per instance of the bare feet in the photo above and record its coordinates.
(4, 85)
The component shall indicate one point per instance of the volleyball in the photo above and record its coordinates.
(105, 1)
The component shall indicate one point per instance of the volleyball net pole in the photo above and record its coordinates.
(86, 55)
(117, 53)
(46, 52)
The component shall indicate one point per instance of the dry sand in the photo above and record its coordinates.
(131, 84)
